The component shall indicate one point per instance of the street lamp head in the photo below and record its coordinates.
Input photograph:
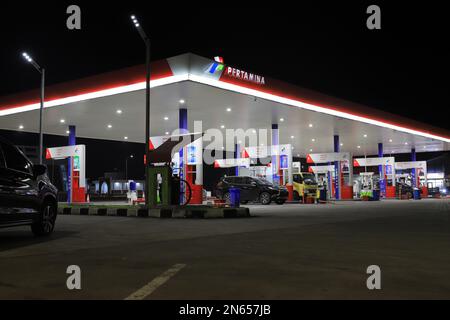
(27, 57)
(139, 28)
(135, 21)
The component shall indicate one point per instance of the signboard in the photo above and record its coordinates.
(76, 163)
(218, 69)
(345, 168)
(435, 175)
(191, 154)
(388, 170)
(368, 162)
(411, 165)
(244, 75)
(257, 152)
(194, 153)
(64, 152)
(327, 157)
(265, 151)
(229, 163)
(321, 169)
(284, 161)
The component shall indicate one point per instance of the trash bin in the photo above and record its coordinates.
(235, 197)
(375, 195)
(416, 194)
(323, 195)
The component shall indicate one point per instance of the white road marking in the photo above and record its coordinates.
(150, 287)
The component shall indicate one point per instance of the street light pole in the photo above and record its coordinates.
(126, 166)
(41, 108)
(41, 111)
(147, 104)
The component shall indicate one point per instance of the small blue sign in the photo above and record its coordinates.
(284, 162)
(191, 155)
(383, 186)
(388, 169)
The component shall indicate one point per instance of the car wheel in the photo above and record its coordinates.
(244, 201)
(227, 197)
(264, 198)
(46, 221)
(280, 201)
(409, 195)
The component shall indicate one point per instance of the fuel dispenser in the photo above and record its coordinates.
(323, 175)
(419, 179)
(164, 170)
(367, 184)
(386, 175)
(341, 178)
(76, 191)
(279, 161)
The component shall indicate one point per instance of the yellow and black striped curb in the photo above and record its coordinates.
(163, 212)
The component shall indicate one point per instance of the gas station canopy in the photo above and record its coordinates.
(111, 106)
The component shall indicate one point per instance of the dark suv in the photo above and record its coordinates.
(252, 189)
(27, 196)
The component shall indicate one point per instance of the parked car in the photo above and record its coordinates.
(27, 197)
(252, 189)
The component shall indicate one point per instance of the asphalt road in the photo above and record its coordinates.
(283, 252)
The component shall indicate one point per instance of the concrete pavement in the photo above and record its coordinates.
(283, 252)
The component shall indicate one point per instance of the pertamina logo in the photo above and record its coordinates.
(218, 67)
(244, 75)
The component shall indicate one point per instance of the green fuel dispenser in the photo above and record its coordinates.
(172, 189)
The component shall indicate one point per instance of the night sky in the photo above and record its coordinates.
(402, 68)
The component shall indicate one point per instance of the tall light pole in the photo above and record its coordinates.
(147, 103)
(126, 166)
(41, 109)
